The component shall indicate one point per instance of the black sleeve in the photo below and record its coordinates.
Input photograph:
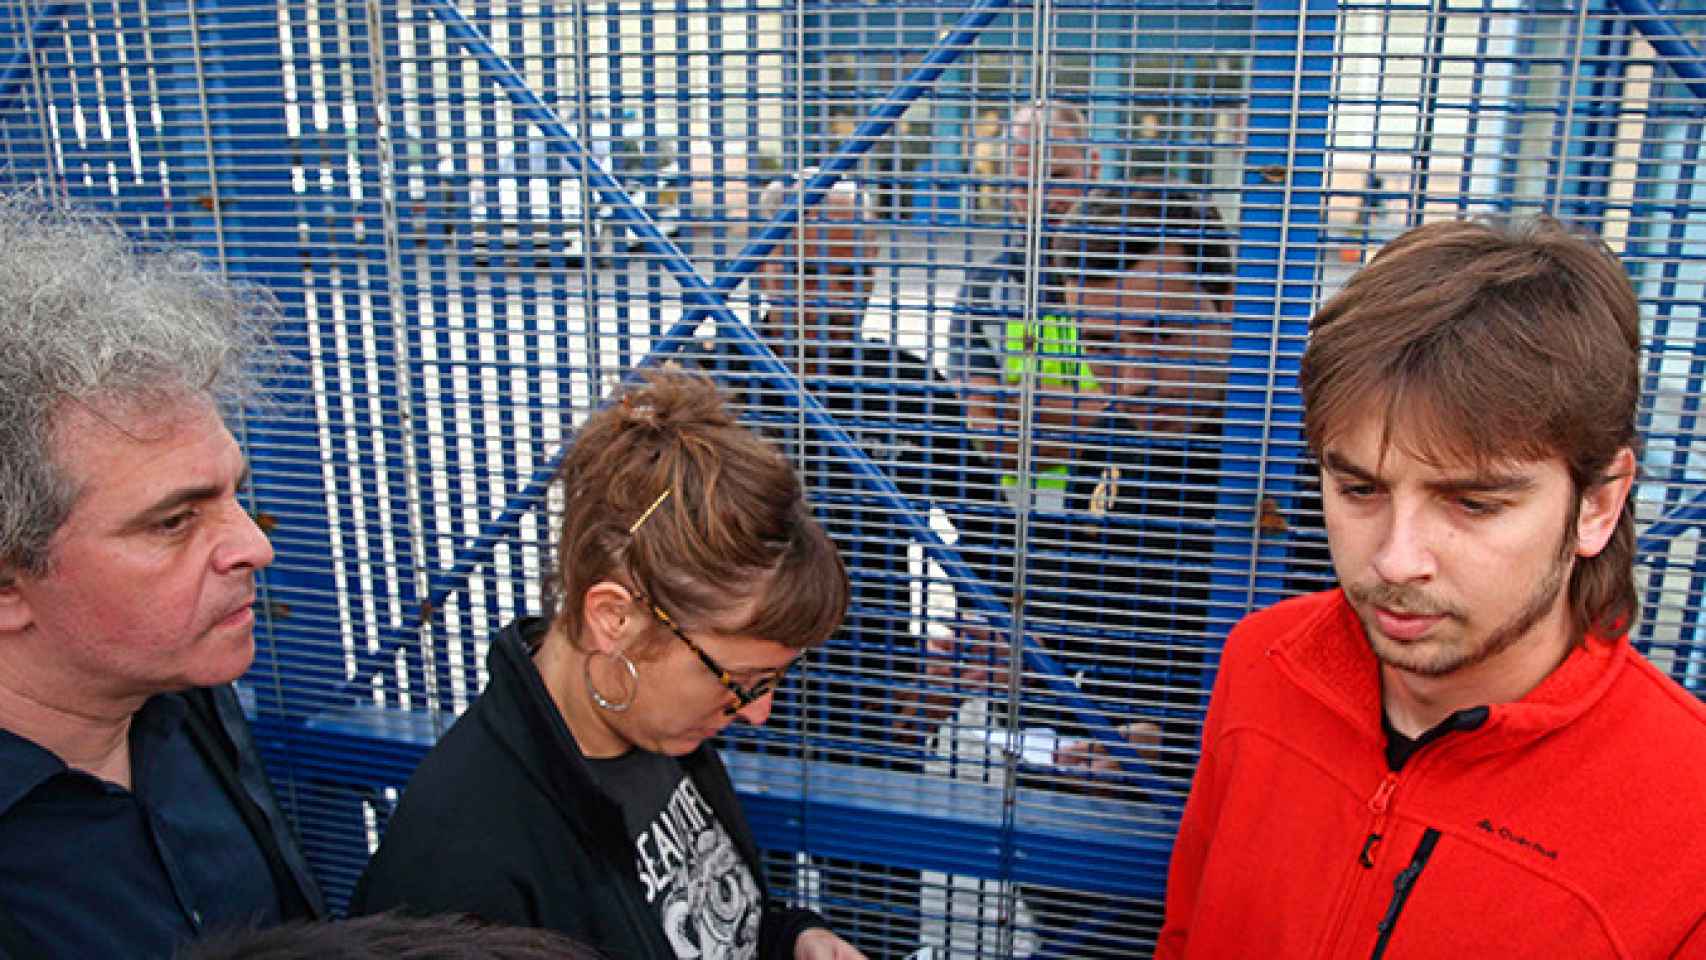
(949, 466)
(780, 927)
(16, 942)
(466, 837)
(957, 477)
(448, 872)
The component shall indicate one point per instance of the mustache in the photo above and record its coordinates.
(1402, 599)
(244, 599)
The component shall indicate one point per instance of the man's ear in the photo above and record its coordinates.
(607, 612)
(15, 612)
(1601, 505)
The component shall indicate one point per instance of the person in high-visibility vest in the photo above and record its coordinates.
(1015, 283)
(1125, 373)
(1049, 349)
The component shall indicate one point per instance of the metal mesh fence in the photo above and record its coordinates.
(1034, 354)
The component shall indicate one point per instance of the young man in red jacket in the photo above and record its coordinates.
(1457, 753)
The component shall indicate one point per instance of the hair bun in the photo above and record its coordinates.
(644, 412)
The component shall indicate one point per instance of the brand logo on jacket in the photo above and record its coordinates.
(1511, 836)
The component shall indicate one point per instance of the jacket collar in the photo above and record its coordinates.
(1329, 656)
(521, 715)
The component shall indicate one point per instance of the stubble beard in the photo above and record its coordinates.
(1440, 658)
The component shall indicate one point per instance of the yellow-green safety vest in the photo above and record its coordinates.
(1052, 344)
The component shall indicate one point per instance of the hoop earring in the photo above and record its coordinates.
(633, 682)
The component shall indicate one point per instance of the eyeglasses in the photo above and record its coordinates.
(744, 696)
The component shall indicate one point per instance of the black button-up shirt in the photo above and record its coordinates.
(90, 869)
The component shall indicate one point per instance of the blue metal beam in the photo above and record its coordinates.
(19, 66)
(1683, 58)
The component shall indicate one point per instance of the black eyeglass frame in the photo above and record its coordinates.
(744, 696)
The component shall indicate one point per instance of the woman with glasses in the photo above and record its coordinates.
(579, 792)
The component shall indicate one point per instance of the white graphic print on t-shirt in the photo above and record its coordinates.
(709, 900)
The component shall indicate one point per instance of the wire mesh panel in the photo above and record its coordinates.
(1033, 351)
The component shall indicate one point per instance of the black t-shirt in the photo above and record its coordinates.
(701, 891)
(1399, 748)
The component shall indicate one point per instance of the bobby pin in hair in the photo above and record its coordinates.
(635, 527)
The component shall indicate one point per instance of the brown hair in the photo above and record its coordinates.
(387, 936)
(1488, 342)
(734, 524)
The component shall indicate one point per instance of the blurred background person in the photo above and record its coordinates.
(1116, 589)
(1149, 310)
(993, 294)
(1139, 340)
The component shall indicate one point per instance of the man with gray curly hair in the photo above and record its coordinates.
(134, 812)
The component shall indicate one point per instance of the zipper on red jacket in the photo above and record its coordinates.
(1402, 884)
(1377, 804)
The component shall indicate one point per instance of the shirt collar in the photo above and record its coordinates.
(157, 722)
(25, 764)
(1399, 748)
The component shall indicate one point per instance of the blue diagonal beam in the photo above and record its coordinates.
(1681, 56)
(707, 299)
(536, 111)
(1685, 516)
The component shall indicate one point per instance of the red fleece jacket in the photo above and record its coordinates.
(1572, 823)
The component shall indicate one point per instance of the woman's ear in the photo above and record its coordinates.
(606, 617)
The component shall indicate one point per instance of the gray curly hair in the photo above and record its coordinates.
(89, 319)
